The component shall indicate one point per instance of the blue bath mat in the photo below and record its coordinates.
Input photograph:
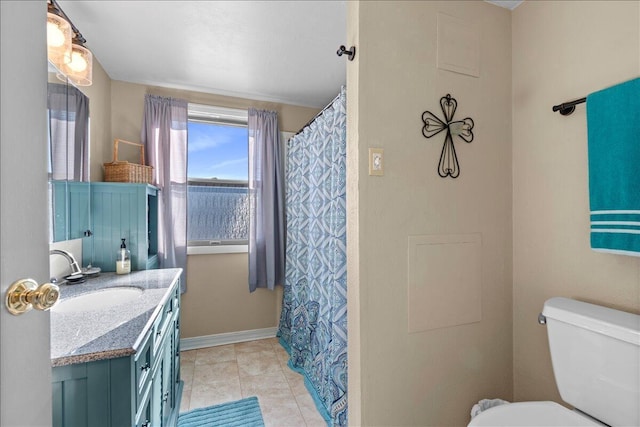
(241, 413)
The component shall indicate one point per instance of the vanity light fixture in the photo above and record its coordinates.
(77, 62)
(80, 69)
(58, 36)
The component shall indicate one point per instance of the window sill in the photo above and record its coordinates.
(217, 249)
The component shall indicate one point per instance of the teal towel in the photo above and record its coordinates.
(613, 125)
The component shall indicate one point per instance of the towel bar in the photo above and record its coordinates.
(568, 107)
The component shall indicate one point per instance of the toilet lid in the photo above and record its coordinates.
(531, 414)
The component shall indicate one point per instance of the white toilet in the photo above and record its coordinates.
(595, 353)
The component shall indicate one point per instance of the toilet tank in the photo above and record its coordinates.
(595, 353)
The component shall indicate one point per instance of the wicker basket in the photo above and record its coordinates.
(123, 171)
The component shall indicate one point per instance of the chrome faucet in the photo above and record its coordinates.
(75, 268)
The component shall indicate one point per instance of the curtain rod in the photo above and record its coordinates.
(568, 107)
(317, 115)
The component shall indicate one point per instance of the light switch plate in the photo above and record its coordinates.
(376, 161)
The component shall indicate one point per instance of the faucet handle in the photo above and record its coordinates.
(25, 294)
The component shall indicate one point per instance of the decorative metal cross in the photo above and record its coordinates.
(448, 165)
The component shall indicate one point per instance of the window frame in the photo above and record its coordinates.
(211, 114)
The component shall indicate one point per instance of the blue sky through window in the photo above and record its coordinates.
(217, 151)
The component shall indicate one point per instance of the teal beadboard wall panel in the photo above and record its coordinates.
(59, 200)
(98, 383)
(121, 210)
(57, 409)
(74, 402)
(75, 391)
(79, 196)
(120, 383)
(71, 209)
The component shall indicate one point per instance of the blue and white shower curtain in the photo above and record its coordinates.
(313, 323)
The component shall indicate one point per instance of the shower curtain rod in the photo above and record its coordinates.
(317, 115)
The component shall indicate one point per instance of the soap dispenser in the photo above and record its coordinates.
(123, 259)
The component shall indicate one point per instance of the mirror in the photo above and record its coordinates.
(68, 158)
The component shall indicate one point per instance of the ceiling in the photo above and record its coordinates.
(508, 4)
(280, 51)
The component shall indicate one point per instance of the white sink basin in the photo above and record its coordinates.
(98, 300)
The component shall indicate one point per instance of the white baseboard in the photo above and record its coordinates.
(226, 338)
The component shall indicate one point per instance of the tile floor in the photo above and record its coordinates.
(259, 368)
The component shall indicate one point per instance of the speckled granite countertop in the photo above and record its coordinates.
(108, 333)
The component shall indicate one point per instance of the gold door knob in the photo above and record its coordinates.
(25, 294)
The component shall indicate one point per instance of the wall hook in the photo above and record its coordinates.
(350, 53)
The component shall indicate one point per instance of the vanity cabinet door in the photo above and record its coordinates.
(172, 358)
(143, 418)
(142, 368)
(156, 394)
(167, 383)
(176, 359)
(171, 383)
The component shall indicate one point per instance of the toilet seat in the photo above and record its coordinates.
(531, 414)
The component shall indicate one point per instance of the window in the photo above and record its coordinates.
(218, 163)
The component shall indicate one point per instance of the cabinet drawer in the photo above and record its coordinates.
(156, 331)
(142, 368)
(176, 314)
(161, 326)
(176, 297)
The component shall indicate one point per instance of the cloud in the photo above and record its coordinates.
(204, 136)
(202, 141)
(228, 163)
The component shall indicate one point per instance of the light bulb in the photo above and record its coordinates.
(78, 63)
(58, 39)
(55, 36)
(80, 69)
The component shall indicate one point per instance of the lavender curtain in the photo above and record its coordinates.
(164, 134)
(68, 110)
(266, 201)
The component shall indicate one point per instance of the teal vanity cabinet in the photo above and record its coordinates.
(157, 370)
(142, 389)
(123, 210)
